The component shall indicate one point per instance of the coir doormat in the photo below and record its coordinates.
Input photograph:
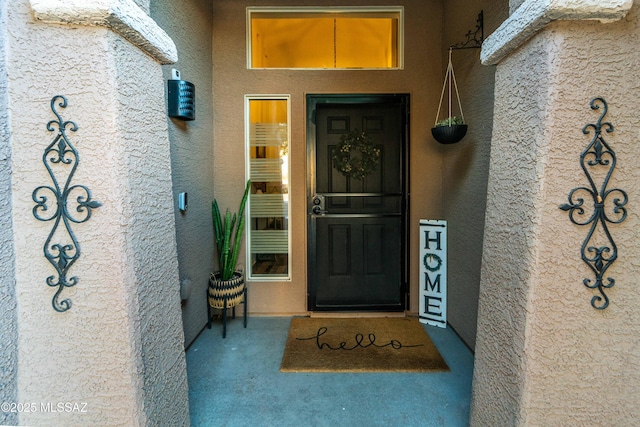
(360, 345)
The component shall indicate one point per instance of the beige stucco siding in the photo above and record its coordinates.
(466, 164)
(544, 353)
(8, 308)
(421, 78)
(510, 241)
(40, 326)
(572, 371)
(192, 152)
(119, 348)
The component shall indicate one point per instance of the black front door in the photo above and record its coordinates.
(357, 202)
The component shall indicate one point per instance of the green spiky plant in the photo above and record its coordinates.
(228, 235)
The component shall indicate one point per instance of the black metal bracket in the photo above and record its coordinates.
(598, 250)
(474, 37)
(61, 248)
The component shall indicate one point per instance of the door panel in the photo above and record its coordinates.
(357, 227)
(362, 266)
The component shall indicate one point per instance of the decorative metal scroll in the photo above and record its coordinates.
(61, 248)
(474, 37)
(598, 250)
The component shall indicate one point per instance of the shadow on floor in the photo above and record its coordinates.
(236, 382)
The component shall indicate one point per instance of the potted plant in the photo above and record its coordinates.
(453, 128)
(449, 130)
(226, 286)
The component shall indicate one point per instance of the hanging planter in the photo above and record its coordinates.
(450, 130)
(453, 128)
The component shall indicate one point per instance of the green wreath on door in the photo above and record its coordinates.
(356, 156)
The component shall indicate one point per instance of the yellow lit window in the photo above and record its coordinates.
(267, 138)
(342, 38)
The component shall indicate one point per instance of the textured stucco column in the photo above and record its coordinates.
(544, 355)
(116, 356)
(8, 308)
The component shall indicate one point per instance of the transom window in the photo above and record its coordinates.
(325, 38)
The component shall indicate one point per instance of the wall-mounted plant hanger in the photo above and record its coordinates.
(474, 37)
(453, 128)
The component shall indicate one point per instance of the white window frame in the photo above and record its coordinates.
(328, 11)
(247, 156)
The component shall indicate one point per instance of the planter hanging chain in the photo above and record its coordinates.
(453, 129)
(450, 77)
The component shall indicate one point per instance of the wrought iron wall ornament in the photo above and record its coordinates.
(474, 37)
(61, 248)
(598, 250)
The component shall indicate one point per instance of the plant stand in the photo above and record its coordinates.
(223, 295)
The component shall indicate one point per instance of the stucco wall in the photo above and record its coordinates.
(421, 78)
(151, 269)
(544, 353)
(466, 164)
(192, 151)
(119, 349)
(509, 240)
(143, 4)
(8, 308)
(514, 4)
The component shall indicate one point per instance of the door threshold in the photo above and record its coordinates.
(348, 314)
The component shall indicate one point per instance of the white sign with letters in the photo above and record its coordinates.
(433, 272)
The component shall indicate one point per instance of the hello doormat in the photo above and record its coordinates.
(360, 345)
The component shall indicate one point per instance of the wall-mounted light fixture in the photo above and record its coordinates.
(181, 97)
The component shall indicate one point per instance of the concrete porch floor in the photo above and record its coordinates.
(236, 382)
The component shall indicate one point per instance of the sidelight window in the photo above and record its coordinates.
(325, 38)
(267, 142)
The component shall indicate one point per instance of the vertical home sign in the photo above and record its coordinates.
(433, 272)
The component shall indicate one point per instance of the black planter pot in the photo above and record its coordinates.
(449, 134)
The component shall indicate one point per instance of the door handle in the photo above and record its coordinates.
(318, 205)
(317, 210)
